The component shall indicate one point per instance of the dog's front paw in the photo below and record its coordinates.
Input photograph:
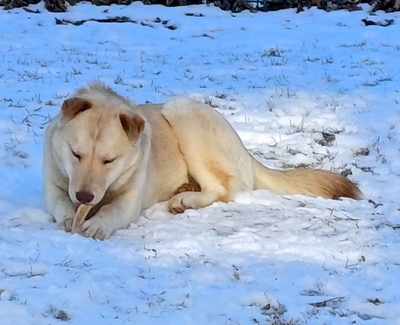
(96, 228)
(66, 224)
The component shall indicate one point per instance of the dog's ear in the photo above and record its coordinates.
(73, 106)
(133, 125)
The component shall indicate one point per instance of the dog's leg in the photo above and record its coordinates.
(59, 205)
(191, 200)
(119, 214)
(214, 154)
(190, 186)
(214, 181)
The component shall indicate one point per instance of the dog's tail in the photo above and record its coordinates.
(311, 182)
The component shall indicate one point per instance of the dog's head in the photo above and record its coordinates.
(99, 146)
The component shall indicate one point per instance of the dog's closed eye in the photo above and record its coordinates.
(108, 161)
(76, 155)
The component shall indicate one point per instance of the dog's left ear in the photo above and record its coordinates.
(133, 125)
(73, 106)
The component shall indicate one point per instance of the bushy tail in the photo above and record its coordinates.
(311, 182)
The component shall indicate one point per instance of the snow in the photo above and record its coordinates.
(281, 79)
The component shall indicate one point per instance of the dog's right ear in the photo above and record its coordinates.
(73, 106)
(133, 125)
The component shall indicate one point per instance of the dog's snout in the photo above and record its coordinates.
(84, 197)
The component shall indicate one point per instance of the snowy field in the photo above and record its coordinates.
(311, 89)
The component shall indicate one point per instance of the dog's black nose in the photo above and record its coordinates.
(84, 197)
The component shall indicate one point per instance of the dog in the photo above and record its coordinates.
(121, 158)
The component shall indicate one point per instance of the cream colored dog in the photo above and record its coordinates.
(121, 158)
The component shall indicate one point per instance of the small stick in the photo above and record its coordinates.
(80, 215)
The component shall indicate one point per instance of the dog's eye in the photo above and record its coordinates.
(108, 161)
(76, 155)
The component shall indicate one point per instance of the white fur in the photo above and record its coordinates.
(181, 138)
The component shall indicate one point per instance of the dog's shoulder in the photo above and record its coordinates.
(179, 103)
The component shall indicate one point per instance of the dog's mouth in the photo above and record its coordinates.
(92, 212)
(76, 206)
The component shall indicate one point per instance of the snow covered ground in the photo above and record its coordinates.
(317, 89)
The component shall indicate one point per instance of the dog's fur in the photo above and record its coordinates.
(121, 158)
